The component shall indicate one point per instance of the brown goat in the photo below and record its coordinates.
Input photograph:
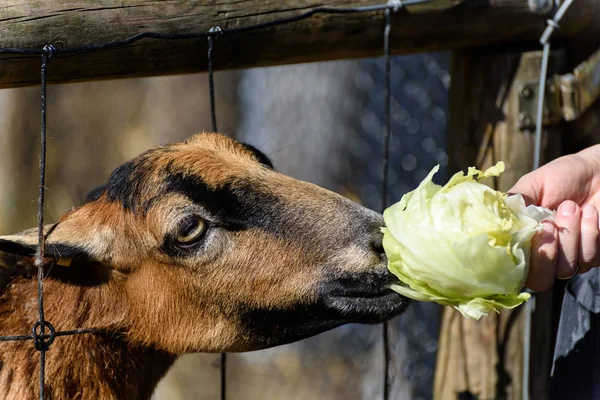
(192, 247)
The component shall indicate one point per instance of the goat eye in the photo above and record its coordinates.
(190, 231)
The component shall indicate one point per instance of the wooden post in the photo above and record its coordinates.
(484, 359)
(437, 25)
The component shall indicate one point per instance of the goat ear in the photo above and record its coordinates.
(25, 244)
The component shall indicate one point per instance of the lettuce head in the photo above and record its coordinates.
(463, 244)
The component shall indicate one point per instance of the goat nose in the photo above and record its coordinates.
(372, 223)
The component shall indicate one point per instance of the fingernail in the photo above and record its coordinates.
(568, 208)
(588, 211)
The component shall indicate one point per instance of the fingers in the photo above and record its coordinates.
(571, 244)
(544, 247)
(589, 254)
(569, 227)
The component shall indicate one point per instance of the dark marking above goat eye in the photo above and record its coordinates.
(262, 158)
(236, 204)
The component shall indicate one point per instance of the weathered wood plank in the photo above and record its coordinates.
(73, 23)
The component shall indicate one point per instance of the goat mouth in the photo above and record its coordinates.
(369, 308)
(365, 298)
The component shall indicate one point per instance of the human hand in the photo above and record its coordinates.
(571, 186)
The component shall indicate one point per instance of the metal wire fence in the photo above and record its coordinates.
(403, 97)
(419, 107)
(323, 122)
(43, 333)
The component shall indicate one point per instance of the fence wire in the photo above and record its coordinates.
(387, 126)
(213, 122)
(323, 122)
(412, 118)
(38, 335)
(419, 107)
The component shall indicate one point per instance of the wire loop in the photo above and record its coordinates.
(553, 23)
(216, 31)
(396, 4)
(42, 341)
(49, 50)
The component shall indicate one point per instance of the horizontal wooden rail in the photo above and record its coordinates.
(438, 25)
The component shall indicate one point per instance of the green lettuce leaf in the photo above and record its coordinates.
(463, 244)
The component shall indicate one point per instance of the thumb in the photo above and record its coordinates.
(529, 187)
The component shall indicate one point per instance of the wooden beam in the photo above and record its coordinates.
(441, 24)
(484, 359)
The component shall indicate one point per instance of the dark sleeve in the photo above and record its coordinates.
(576, 366)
